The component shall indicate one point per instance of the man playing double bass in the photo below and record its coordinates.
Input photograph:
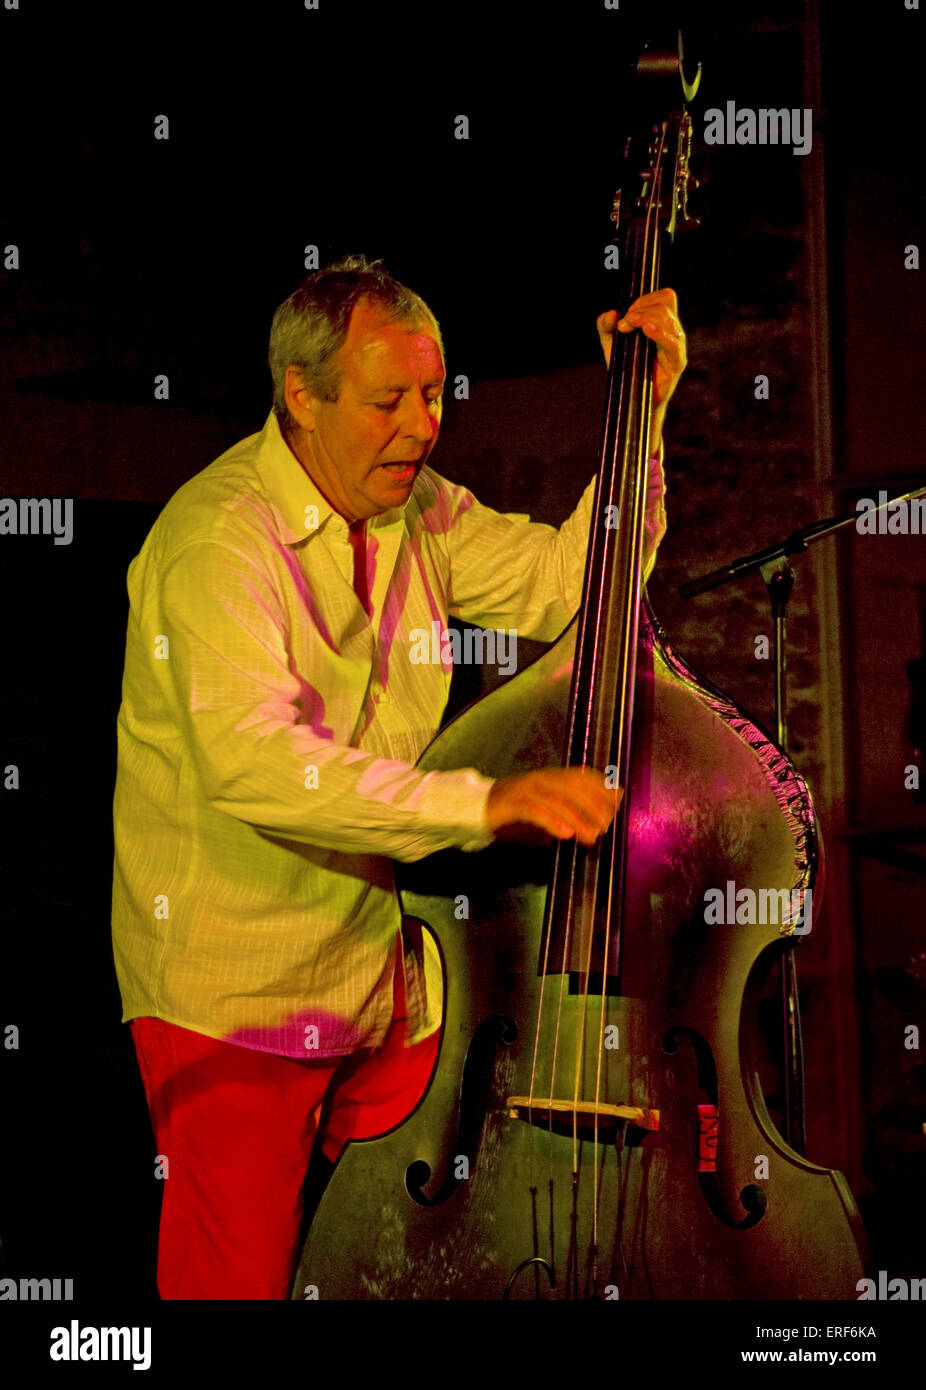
(269, 729)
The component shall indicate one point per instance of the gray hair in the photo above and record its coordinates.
(310, 326)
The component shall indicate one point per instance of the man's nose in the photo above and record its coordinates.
(418, 420)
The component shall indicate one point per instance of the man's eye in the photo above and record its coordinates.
(390, 405)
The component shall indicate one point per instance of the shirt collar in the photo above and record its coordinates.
(299, 509)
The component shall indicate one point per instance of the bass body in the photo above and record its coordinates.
(672, 1182)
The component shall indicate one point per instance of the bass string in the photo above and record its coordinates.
(617, 839)
(639, 392)
(569, 913)
(648, 234)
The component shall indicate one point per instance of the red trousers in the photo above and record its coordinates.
(237, 1128)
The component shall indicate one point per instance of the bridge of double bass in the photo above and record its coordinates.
(588, 1119)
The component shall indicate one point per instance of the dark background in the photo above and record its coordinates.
(335, 128)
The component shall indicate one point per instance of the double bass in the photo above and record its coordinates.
(595, 1127)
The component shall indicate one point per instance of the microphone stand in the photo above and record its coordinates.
(772, 564)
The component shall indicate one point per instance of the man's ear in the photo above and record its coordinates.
(299, 400)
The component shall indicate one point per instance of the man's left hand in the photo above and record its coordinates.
(656, 315)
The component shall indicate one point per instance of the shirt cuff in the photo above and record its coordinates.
(456, 803)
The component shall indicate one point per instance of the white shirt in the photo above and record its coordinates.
(267, 738)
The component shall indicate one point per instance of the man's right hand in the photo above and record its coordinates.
(563, 801)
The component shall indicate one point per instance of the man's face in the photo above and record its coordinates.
(364, 450)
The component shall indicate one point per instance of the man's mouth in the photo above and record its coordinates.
(400, 471)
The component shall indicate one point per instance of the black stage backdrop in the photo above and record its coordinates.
(138, 248)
